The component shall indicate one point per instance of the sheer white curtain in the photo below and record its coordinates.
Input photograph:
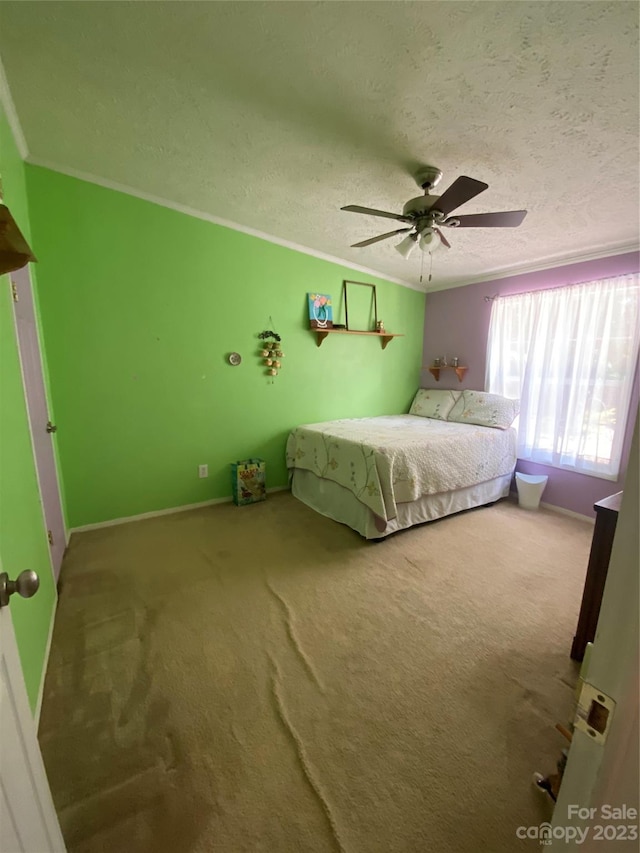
(570, 355)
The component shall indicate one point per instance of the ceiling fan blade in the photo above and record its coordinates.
(443, 239)
(380, 237)
(504, 219)
(463, 189)
(355, 208)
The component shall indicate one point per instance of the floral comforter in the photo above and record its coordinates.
(395, 459)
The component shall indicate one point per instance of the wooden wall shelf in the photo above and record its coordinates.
(460, 371)
(385, 337)
(15, 252)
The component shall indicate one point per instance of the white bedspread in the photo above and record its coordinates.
(395, 459)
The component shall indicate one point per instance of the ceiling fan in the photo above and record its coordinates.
(426, 214)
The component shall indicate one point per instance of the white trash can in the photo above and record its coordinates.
(530, 488)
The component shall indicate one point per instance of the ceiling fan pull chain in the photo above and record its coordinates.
(430, 264)
(421, 266)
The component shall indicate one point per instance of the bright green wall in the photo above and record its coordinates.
(23, 543)
(140, 304)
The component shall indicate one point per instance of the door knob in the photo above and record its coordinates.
(26, 585)
(51, 427)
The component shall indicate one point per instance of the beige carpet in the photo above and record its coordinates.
(262, 679)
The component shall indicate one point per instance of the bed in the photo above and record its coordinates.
(454, 450)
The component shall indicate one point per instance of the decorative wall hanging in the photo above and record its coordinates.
(373, 326)
(363, 305)
(320, 311)
(271, 351)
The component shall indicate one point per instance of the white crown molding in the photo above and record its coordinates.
(547, 264)
(21, 143)
(215, 220)
(504, 272)
(12, 116)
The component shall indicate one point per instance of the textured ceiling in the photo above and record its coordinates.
(274, 115)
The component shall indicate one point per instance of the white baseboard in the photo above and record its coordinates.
(45, 662)
(570, 512)
(185, 508)
(513, 496)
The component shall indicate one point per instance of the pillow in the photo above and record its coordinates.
(479, 407)
(429, 403)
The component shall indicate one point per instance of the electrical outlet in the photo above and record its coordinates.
(203, 471)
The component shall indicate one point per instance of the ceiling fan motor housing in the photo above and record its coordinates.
(421, 206)
(428, 177)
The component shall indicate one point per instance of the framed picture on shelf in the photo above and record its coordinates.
(320, 311)
(364, 306)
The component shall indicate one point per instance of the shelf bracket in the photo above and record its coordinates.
(459, 371)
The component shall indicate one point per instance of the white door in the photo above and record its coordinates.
(42, 430)
(28, 820)
(601, 779)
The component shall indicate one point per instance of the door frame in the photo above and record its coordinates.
(26, 271)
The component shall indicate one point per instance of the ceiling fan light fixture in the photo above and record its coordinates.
(406, 246)
(429, 241)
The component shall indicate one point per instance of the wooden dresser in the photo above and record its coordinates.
(605, 527)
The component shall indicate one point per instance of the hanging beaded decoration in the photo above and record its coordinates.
(271, 352)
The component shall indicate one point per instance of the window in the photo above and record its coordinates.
(569, 354)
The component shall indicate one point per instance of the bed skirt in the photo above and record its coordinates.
(336, 502)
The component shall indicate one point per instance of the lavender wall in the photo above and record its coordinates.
(457, 323)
